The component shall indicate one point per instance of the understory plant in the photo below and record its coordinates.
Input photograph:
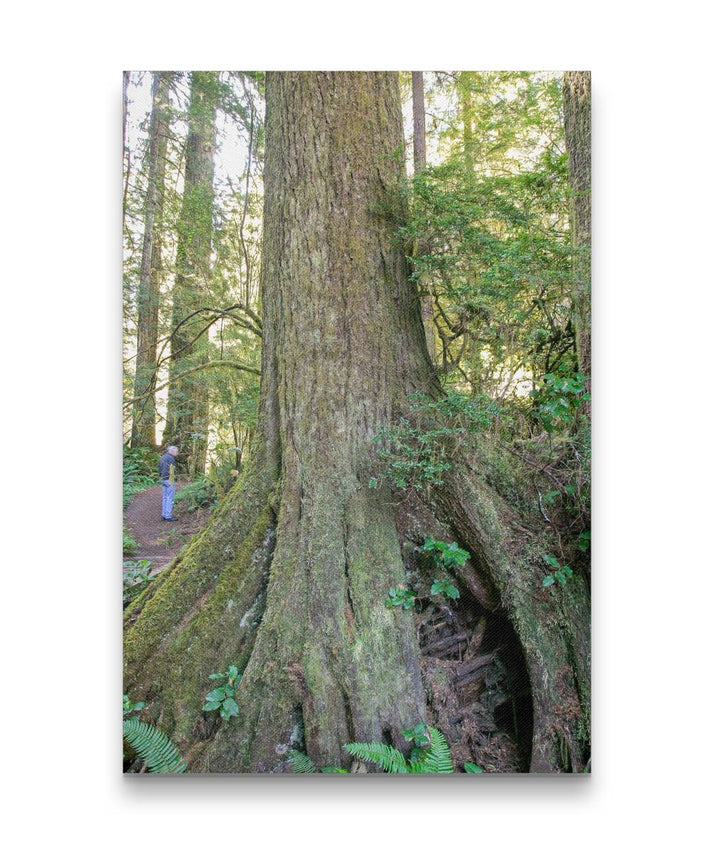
(223, 697)
(416, 451)
(198, 494)
(136, 574)
(429, 755)
(154, 748)
(447, 556)
(560, 574)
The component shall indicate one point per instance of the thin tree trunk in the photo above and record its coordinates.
(187, 411)
(577, 108)
(126, 153)
(143, 420)
(418, 100)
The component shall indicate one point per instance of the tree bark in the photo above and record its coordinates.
(187, 412)
(143, 419)
(419, 158)
(577, 109)
(289, 580)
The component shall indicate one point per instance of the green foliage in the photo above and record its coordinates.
(300, 763)
(558, 399)
(136, 575)
(487, 233)
(387, 757)
(223, 696)
(584, 541)
(431, 753)
(138, 471)
(198, 494)
(559, 574)
(418, 735)
(473, 768)
(400, 596)
(416, 456)
(445, 587)
(129, 543)
(449, 555)
(131, 707)
(156, 749)
(413, 457)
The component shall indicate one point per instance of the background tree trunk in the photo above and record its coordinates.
(418, 102)
(187, 411)
(143, 419)
(577, 108)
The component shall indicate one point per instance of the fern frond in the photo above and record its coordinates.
(436, 758)
(388, 757)
(155, 748)
(300, 762)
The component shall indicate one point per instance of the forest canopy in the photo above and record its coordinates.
(359, 305)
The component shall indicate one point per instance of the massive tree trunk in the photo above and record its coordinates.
(187, 411)
(576, 104)
(143, 419)
(289, 580)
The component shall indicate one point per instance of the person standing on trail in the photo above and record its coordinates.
(166, 469)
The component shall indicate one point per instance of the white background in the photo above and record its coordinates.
(655, 192)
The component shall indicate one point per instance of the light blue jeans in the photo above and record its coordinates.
(168, 497)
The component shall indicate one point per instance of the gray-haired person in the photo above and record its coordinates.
(166, 469)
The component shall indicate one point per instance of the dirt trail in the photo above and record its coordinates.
(158, 540)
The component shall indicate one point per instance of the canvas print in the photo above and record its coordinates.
(356, 419)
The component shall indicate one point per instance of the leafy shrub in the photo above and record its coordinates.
(558, 399)
(449, 555)
(560, 574)
(400, 596)
(136, 575)
(446, 588)
(129, 543)
(198, 494)
(223, 697)
(139, 471)
(418, 456)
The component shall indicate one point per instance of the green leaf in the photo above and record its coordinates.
(551, 560)
(233, 671)
(373, 483)
(473, 768)
(230, 705)
(216, 676)
(549, 581)
(452, 592)
(211, 705)
(436, 588)
(217, 695)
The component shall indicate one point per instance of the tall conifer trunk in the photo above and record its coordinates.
(290, 578)
(576, 104)
(187, 410)
(143, 421)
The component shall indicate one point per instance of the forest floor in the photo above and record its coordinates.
(158, 540)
